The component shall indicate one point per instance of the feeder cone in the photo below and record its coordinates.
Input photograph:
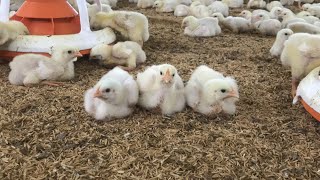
(48, 17)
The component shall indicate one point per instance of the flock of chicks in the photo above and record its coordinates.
(160, 86)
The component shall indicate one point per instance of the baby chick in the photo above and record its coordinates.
(203, 27)
(235, 24)
(11, 30)
(233, 3)
(289, 17)
(124, 54)
(131, 25)
(198, 10)
(94, 9)
(301, 54)
(145, 3)
(182, 10)
(256, 4)
(166, 5)
(113, 96)
(273, 4)
(303, 27)
(220, 7)
(161, 86)
(265, 25)
(278, 45)
(29, 69)
(209, 92)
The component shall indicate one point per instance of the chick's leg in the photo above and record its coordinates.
(294, 85)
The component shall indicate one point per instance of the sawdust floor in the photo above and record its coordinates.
(46, 134)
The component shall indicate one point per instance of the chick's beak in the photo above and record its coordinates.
(167, 77)
(233, 93)
(77, 54)
(97, 94)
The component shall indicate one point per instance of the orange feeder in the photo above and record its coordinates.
(52, 22)
(308, 92)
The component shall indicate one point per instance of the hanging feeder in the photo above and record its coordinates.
(52, 22)
(308, 92)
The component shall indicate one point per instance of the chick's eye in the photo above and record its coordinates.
(160, 72)
(286, 34)
(260, 15)
(223, 90)
(173, 75)
(107, 90)
(69, 52)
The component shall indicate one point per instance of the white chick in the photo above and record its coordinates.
(205, 2)
(145, 3)
(127, 54)
(198, 10)
(165, 5)
(246, 14)
(303, 27)
(113, 96)
(275, 12)
(306, 6)
(314, 11)
(301, 54)
(289, 17)
(273, 4)
(256, 4)
(182, 10)
(287, 2)
(310, 19)
(220, 7)
(235, 24)
(265, 25)
(161, 86)
(278, 44)
(233, 3)
(209, 92)
(132, 25)
(256, 12)
(303, 14)
(29, 69)
(94, 9)
(11, 30)
(203, 27)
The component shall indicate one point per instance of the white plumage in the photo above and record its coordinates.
(233, 3)
(203, 27)
(267, 26)
(278, 45)
(235, 24)
(219, 6)
(145, 3)
(198, 10)
(182, 10)
(11, 30)
(209, 92)
(256, 4)
(161, 86)
(273, 4)
(29, 69)
(113, 96)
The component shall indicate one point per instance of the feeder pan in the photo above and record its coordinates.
(309, 92)
(50, 23)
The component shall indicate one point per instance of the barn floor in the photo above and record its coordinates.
(46, 134)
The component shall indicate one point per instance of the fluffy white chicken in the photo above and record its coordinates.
(278, 44)
(235, 24)
(220, 7)
(131, 25)
(161, 86)
(30, 69)
(287, 2)
(256, 4)
(258, 12)
(246, 14)
(267, 26)
(301, 54)
(273, 4)
(306, 6)
(302, 27)
(205, 2)
(113, 96)
(275, 12)
(145, 3)
(198, 10)
(165, 5)
(94, 9)
(288, 18)
(233, 3)
(209, 92)
(203, 27)
(182, 10)
(11, 30)
(314, 11)
(124, 54)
